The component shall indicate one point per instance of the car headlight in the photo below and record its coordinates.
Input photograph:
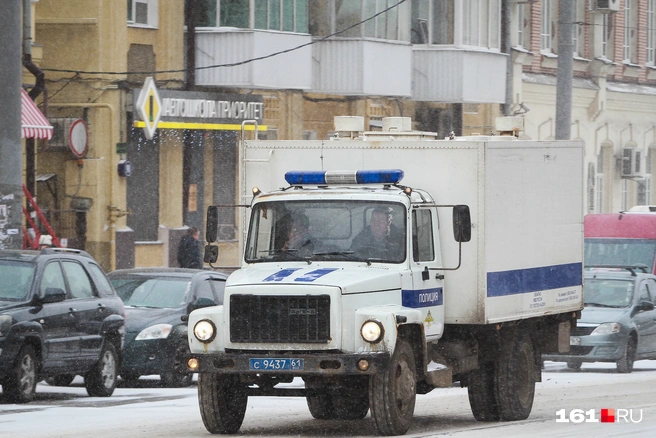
(205, 331)
(5, 325)
(157, 331)
(372, 331)
(606, 329)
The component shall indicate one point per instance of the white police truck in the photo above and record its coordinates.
(477, 271)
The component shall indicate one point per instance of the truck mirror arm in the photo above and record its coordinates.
(450, 269)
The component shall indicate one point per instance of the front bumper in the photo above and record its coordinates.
(598, 348)
(320, 364)
(153, 356)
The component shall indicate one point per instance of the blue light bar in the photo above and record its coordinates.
(320, 177)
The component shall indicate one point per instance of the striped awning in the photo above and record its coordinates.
(34, 123)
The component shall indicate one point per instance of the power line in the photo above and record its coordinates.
(232, 64)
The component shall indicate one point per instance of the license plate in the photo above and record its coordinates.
(272, 364)
(574, 340)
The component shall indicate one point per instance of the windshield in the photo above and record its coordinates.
(160, 293)
(608, 293)
(327, 230)
(625, 252)
(15, 280)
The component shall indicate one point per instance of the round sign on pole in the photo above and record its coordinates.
(77, 138)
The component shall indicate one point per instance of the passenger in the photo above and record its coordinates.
(380, 240)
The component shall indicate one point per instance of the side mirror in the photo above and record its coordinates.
(211, 254)
(461, 223)
(54, 295)
(212, 224)
(200, 303)
(645, 305)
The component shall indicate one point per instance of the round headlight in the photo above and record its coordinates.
(372, 331)
(204, 331)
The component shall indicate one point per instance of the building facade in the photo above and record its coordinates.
(613, 94)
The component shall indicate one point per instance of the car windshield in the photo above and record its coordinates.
(608, 292)
(16, 280)
(625, 252)
(136, 291)
(363, 231)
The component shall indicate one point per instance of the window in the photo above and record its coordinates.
(651, 32)
(422, 236)
(592, 179)
(432, 22)
(78, 280)
(607, 35)
(630, 31)
(625, 194)
(99, 278)
(522, 25)
(578, 32)
(547, 31)
(142, 12)
(52, 277)
(481, 23)
(387, 25)
(599, 183)
(644, 185)
(285, 15)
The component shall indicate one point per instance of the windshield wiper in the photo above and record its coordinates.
(288, 252)
(598, 305)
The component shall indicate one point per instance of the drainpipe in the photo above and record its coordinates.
(39, 87)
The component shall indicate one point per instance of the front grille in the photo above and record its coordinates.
(280, 318)
(582, 331)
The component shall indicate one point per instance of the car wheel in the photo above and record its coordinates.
(625, 363)
(20, 384)
(61, 380)
(574, 365)
(101, 380)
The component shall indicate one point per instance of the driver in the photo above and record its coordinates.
(379, 240)
(298, 237)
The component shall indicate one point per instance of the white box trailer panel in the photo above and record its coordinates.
(525, 197)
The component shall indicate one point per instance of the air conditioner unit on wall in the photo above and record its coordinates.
(606, 5)
(61, 126)
(632, 163)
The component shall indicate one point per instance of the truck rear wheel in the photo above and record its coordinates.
(392, 394)
(321, 406)
(515, 377)
(482, 393)
(222, 400)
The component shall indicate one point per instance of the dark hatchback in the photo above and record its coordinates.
(59, 316)
(156, 300)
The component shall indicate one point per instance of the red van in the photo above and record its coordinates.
(627, 239)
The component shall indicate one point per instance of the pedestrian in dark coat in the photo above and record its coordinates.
(189, 254)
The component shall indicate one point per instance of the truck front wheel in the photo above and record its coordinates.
(222, 400)
(392, 394)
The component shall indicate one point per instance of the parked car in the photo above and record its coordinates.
(156, 301)
(618, 322)
(59, 317)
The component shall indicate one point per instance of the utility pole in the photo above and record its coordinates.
(11, 158)
(565, 72)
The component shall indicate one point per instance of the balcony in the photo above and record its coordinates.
(362, 67)
(457, 75)
(291, 70)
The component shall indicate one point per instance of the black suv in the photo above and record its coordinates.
(59, 317)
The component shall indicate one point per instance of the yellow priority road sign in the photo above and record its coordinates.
(149, 106)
